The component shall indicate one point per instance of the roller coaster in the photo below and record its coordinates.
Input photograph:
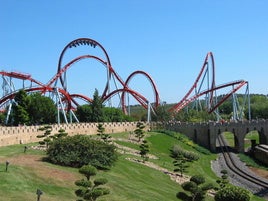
(57, 87)
(67, 102)
(205, 86)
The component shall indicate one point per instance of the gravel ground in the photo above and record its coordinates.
(236, 180)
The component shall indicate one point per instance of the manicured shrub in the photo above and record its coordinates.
(90, 189)
(79, 150)
(198, 179)
(232, 193)
(177, 151)
(195, 189)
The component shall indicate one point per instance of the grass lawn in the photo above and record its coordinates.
(127, 180)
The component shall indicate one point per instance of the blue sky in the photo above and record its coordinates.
(167, 39)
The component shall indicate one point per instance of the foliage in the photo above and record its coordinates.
(144, 150)
(32, 109)
(92, 112)
(88, 171)
(180, 164)
(90, 190)
(189, 156)
(61, 133)
(21, 117)
(79, 150)
(19, 113)
(196, 187)
(21, 98)
(181, 158)
(139, 132)
(2, 118)
(192, 115)
(97, 108)
(96, 112)
(258, 106)
(112, 114)
(46, 135)
(105, 137)
(84, 113)
(138, 178)
(185, 140)
(224, 179)
(41, 109)
(232, 193)
(137, 112)
(162, 113)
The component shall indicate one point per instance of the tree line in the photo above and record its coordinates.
(258, 110)
(34, 108)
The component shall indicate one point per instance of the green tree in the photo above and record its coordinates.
(84, 113)
(101, 132)
(90, 190)
(112, 114)
(46, 135)
(61, 133)
(139, 132)
(2, 118)
(180, 164)
(19, 113)
(162, 113)
(182, 158)
(259, 106)
(32, 109)
(97, 108)
(21, 116)
(232, 193)
(196, 189)
(224, 179)
(21, 99)
(144, 150)
(41, 109)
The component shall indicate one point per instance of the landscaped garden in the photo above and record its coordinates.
(23, 171)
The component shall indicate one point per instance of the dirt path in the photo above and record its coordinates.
(40, 168)
(260, 172)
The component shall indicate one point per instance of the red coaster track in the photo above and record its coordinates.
(208, 89)
(204, 84)
(68, 101)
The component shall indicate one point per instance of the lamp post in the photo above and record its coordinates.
(7, 163)
(25, 149)
(38, 193)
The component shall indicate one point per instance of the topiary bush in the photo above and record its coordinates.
(79, 150)
(232, 193)
(195, 189)
(177, 151)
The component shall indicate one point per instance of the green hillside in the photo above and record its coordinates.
(127, 180)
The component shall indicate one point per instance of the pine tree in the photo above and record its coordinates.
(97, 108)
(144, 150)
(101, 132)
(139, 132)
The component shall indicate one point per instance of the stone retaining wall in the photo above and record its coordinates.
(27, 134)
